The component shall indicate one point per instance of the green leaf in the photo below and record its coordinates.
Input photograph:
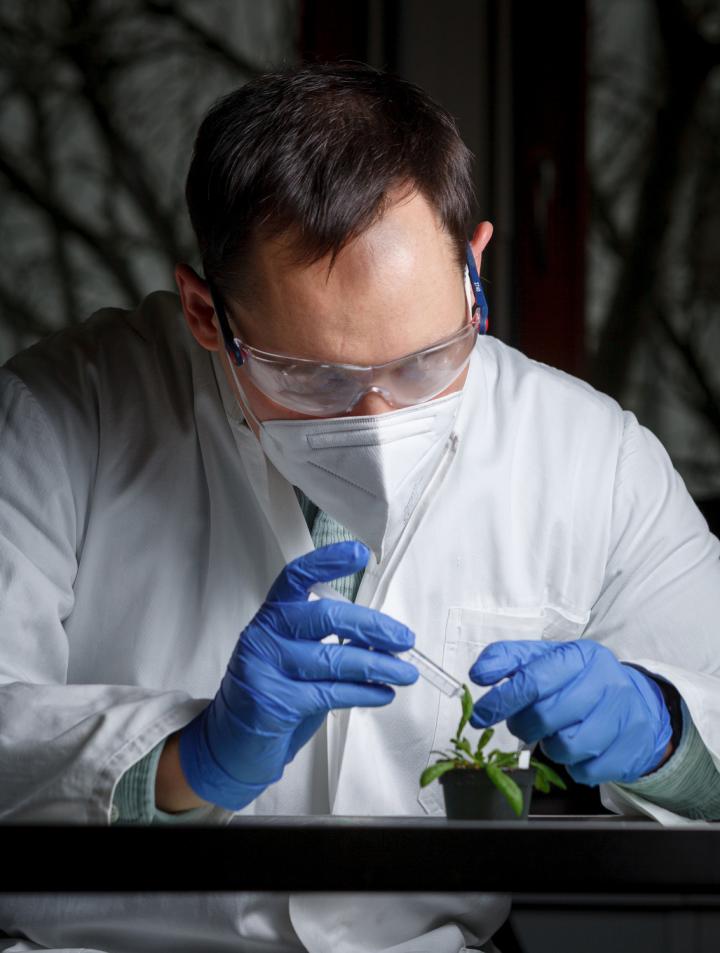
(504, 759)
(463, 761)
(541, 783)
(467, 709)
(482, 741)
(507, 787)
(547, 772)
(434, 771)
(464, 745)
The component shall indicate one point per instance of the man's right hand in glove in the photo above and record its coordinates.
(282, 681)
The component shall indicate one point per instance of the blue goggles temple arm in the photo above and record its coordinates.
(480, 302)
(230, 344)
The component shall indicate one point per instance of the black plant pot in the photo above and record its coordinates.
(471, 796)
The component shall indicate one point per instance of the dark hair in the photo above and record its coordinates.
(317, 148)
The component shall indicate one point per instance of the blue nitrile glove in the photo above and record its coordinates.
(281, 681)
(604, 719)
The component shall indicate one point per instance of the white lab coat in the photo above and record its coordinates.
(141, 527)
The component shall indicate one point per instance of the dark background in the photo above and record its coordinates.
(595, 126)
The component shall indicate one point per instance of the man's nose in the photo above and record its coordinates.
(371, 402)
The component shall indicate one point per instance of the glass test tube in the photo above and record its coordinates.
(437, 676)
(429, 670)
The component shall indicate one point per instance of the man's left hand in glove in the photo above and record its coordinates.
(603, 719)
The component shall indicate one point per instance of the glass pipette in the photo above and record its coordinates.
(429, 670)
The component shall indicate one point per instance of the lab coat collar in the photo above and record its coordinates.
(274, 493)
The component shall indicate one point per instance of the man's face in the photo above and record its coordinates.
(395, 289)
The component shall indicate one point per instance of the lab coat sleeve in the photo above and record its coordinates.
(659, 605)
(134, 797)
(63, 747)
(688, 782)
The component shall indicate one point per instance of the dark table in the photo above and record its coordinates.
(603, 859)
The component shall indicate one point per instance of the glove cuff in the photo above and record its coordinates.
(205, 776)
(673, 702)
(665, 731)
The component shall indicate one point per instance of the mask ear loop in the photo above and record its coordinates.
(469, 296)
(246, 409)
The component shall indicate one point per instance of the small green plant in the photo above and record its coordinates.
(495, 764)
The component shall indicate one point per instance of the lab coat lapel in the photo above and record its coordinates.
(274, 493)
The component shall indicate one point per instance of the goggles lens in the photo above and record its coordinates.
(314, 388)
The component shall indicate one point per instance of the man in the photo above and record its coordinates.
(168, 485)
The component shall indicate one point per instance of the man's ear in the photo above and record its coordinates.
(198, 307)
(481, 236)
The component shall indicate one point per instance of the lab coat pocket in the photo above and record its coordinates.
(467, 633)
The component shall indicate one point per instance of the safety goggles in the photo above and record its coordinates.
(325, 389)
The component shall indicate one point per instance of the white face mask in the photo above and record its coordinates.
(368, 472)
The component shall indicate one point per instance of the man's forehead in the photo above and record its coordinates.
(403, 250)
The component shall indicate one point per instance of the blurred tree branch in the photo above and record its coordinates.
(99, 102)
(706, 401)
(61, 259)
(213, 43)
(688, 59)
(20, 316)
(127, 162)
(60, 217)
(604, 218)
